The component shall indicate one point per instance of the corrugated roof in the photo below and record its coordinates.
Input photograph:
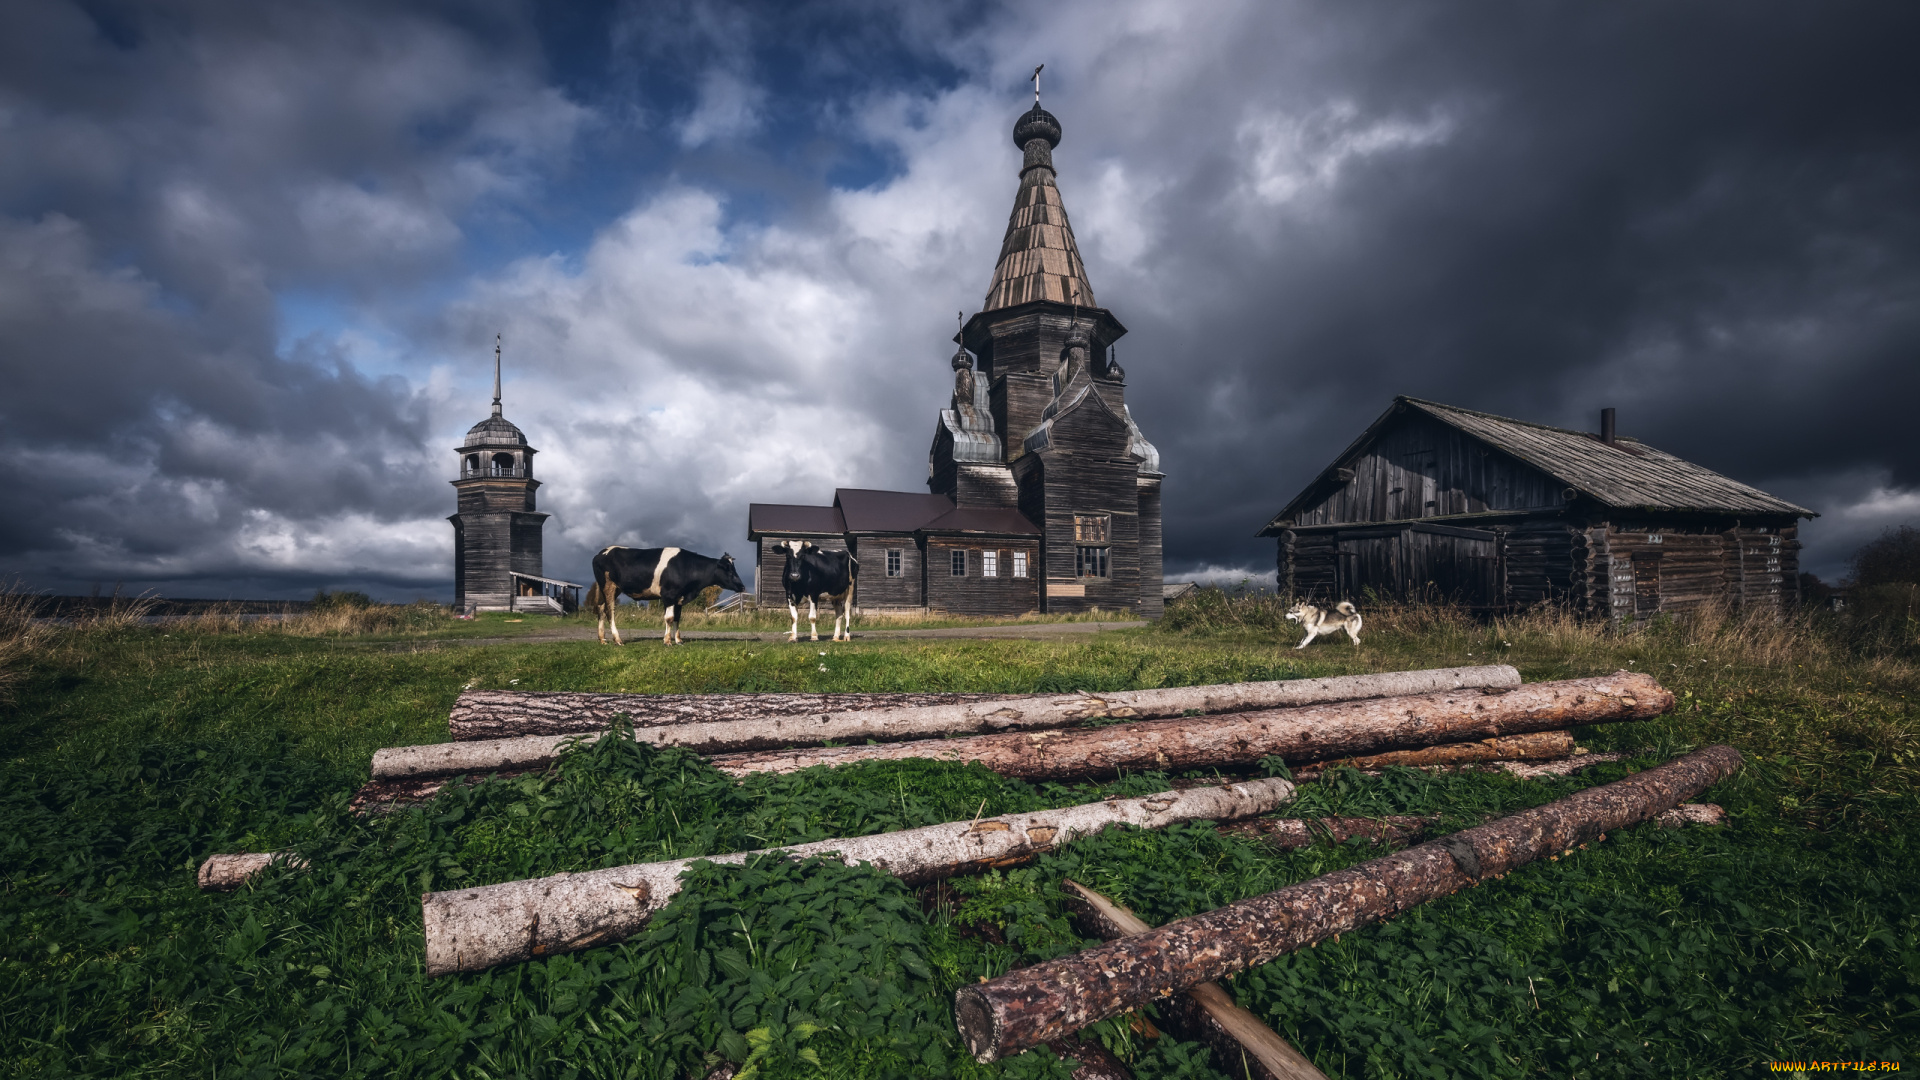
(1629, 475)
(869, 511)
(995, 522)
(783, 519)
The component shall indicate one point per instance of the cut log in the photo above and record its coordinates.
(225, 873)
(497, 714)
(1239, 740)
(1535, 746)
(730, 724)
(1029, 1006)
(1241, 1044)
(475, 929)
(1289, 833)
(1705, 813)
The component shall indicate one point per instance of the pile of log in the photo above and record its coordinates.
(1029, 1006)
(478, 928)
(737, 723)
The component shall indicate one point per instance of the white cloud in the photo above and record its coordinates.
(728, 108)
(1289, 156)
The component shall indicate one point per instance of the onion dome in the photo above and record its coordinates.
(962, 359)
(1036, 123)
(495, 430)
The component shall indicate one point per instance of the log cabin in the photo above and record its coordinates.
(1439, 503)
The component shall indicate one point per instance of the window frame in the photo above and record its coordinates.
(1101, 556)
(1093, 530)
(896, 566)
(1019, 564)
(989, 563)
(957, 562)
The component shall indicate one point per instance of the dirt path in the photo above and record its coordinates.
(1018, 630)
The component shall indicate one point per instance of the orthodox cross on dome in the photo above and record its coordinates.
(496, 374)
(1036, 84)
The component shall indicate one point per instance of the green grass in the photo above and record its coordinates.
(131, 753)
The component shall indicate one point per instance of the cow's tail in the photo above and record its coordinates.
(596, 598)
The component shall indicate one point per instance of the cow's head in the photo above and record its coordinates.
(796, 549)
(729, 577)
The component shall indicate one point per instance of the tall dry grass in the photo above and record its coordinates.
(20, 636)
(335, 620)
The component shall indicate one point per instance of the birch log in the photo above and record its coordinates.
(1242, 1045)
(1034, 1004)
(474, 929)
(496, 714)
(734, 728)
(1240, 740)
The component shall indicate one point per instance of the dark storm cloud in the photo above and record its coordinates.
(726, 242)
(1700, 214)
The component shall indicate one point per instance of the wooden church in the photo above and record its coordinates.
(1043, 494)
(1439, 503)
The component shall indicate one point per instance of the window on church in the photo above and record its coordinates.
(1090, 561)
(893, 562)
(1090, 528)
(1019, 564)
(473, 463)
(959, 563)
(989, 564)
(503, 464)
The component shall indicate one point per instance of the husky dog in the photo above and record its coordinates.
(1319, 621)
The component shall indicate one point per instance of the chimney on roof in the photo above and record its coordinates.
(1606, 426)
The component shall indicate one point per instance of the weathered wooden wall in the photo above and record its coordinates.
(1423, 468)
(976, 594)
(875, 591)
(1152, 598)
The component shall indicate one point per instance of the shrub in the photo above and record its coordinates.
(1893, 558)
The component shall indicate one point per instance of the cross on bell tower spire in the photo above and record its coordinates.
(496, 374)
(1036, 84)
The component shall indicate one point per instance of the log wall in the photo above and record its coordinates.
(873, 590)
(975, 593)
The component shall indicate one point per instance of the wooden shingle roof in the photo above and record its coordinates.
(1627, 475)
(1039, 259)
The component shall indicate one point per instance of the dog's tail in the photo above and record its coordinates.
(1346, 607)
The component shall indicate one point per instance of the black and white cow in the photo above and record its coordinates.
(669, 575)
(813, 574)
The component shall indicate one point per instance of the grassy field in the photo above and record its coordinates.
(132, 752)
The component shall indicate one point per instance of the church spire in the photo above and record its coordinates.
(1039, 259)
(496, 374)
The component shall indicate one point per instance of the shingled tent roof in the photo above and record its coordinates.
(1629, 475)
(1039, 259)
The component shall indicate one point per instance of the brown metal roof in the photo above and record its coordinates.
(992, 522)
(869, 511)
(1629, 475)
(786, 520)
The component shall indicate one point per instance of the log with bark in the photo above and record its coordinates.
(1239, 740)
(497, 714)
(1535, 746)
(1241, 1044)
(1289, 833)
(731, 725)
(1029, 1006)
(478, 928)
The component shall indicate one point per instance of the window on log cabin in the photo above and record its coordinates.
(1090, 561)
(1090, 528)
(989, 564)
(959, 563)
(1646, 584)
(893, 562)
(1019, 564)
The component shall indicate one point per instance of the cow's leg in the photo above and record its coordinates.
(813, 619)
(612, 596)
(595, 596)
(843, 613)
(679, 609)
(793, 632)
(666, 622)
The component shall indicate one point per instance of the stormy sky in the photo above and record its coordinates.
(253, 256)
